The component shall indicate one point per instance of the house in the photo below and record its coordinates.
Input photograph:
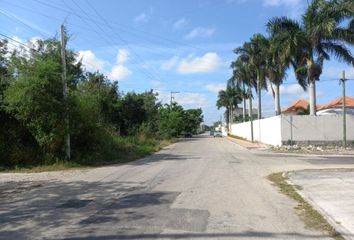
(299, 107)
(335, 107)
(239, 112)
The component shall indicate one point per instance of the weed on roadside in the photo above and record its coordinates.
(311, 217)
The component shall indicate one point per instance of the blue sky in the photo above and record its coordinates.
(165, 45)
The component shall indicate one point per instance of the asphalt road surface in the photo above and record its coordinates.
(198, 188)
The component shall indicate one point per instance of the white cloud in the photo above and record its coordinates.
(192, 100)
(90, 61)
(119, 71)
(169, 64)
(16, 45)
(336, 72)
(295, 7)
(19, 44)
(142, 17)
(157, 84)
(215, 87)
(180, 23)
(187, 100)
(209, 62)
(294, 92)
(291, 89)
(200, 32)
(122, 56)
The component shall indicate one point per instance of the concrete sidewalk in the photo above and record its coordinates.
(331, 192)
(248, 144)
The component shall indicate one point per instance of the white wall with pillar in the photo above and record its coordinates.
(298, 129)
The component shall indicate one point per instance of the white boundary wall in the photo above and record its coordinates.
(303, 129)
(270, 130)
(316, 129)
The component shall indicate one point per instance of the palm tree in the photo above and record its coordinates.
(254, 52)
(229, 98)
(277, 63)
(244, 74)
(241, 78)
(319, 35)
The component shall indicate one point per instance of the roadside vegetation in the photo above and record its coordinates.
(325, 30)
(105, 126)
(308, 214)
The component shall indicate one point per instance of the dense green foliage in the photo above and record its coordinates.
(105, 124)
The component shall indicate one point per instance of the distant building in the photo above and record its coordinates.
(300, 107)
(297, 108)
(239, 112)
(335, 107)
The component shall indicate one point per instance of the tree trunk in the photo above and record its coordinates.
(259, 99)
(312, 92)
(249, 107)
(244, 104)
(277, 99)
(244, 110)
(230, 119)
(250, 110)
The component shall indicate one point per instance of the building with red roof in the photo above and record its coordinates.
(299, 107)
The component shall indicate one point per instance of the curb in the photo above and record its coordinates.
(337, 226)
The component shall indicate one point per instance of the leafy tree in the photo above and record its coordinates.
(35, 97)
(133, 114)
(192, 120)
(171, 120)
(151, 106)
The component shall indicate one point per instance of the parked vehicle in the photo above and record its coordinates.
(217, 134)
(188, 135)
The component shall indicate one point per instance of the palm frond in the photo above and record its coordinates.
(339, 51)
(282, 24)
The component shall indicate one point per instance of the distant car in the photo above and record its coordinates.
(188, 135)
(217, 134)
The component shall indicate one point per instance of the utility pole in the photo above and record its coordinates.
(65, 93)
(344, 111)
(171, 100)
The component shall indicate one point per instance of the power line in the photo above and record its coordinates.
(11, 16)
(114, 32)
(14, 40)
(146, 73)
(128, 29)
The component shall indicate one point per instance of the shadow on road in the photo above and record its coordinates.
(246, 234)
(36, 210)
(158, 157)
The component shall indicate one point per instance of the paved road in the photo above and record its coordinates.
(199, 188)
